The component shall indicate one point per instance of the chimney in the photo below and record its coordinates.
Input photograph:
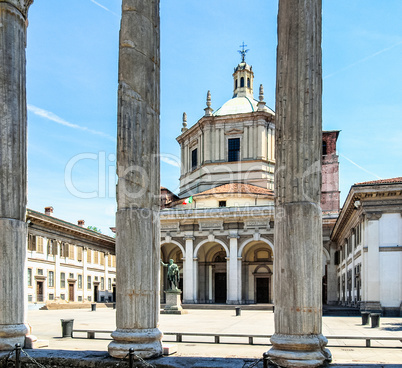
(81, 223)
(49, 211)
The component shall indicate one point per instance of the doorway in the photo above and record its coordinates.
(220, 287)
(39, 291)
(262, 290)
(71, 292)
(95, 293)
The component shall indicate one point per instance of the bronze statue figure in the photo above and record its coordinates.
(173, 275)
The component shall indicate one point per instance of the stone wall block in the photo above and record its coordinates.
(13, 116)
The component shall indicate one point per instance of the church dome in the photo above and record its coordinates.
(239, 105)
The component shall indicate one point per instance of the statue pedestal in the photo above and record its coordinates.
(173, 303)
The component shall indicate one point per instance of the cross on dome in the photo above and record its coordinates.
(243, 52)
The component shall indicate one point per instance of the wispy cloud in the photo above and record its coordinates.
(103, 7)
(57, 119)
(170, 159)
(360, 167)
(363, 60)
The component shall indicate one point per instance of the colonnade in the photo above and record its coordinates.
(137, 219)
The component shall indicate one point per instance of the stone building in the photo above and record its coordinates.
(367, 240)
(221, 232)
(67, 261)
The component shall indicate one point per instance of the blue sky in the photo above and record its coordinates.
(72, 59)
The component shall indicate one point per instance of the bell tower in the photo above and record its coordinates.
(243, 77)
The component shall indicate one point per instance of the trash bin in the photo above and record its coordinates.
(93, 307)
(375, 320)
(238, 311)
(365, 318)
(67, 327)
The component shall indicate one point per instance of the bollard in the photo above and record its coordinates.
(265, 360)
(365, 318)
(238, 311)
(67, 327)
(273, 309)
(17, 355)
(375, 320)
(93, 307)
(131, 357)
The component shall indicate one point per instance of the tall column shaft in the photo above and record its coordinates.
(188, 272)
(233, 292)
(138, 189)
(13, 172)
(298, 341)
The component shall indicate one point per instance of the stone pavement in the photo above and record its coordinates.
(46, 325)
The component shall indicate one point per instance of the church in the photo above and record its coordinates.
(221, 231)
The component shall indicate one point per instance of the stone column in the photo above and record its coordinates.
(372, 301)
(13, 172)
(233, 274)
(188, 273)
(138, 188)
(298, 341)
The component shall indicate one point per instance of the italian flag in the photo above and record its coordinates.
(188, 200)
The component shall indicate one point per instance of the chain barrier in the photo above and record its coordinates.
(18, 350)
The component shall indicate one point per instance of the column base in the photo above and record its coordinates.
(147, 343)
(293, 351)
(11, 335)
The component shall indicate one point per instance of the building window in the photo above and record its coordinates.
(109, 284)
(71, 251)
(248, 83)
(79, 254)
(236, 84)
(79, 281)
(39, 244)
(29, 277)
(234, 149)
(79, 298)
(102, 283)
(64, 247)
(96, 257)
(89, 298)
(62, 280)
(50, 280)
(194, 162)
(242, 82)
(29, 297)
(89, 255)
(31, 242)
(51, 297)
(71, 276)
(39, 271)
(51, 247)
(222, 203)
(89, 283)
(102, 258)
(324, 148)
(63, 296)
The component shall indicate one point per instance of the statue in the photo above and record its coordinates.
(173, 275)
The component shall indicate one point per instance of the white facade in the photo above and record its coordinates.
(368, 239)
(68, 262)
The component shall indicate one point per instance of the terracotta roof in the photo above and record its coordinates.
(235, 188)
(382, 181)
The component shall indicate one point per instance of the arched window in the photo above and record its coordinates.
(324, 148)
(248, 82)
(236, 84)
(242, 82)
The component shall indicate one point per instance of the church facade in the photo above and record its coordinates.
(221, 233)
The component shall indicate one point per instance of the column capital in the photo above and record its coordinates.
(21, 5)
(373, 216)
